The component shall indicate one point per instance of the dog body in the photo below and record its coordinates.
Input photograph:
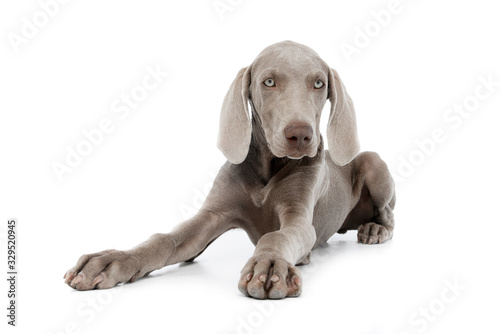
(280, 185)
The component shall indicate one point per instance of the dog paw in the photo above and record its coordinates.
(104, 270)
(266, 277)
(373, 233)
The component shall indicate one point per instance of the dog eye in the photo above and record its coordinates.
(318, 84)
(269, 82)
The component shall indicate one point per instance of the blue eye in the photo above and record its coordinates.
(318, 84)
(269, 82)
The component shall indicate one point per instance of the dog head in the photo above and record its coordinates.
(287, 86)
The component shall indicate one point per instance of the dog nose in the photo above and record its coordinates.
(299, 134)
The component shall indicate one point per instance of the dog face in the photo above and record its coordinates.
(287, 86)
(288, 89)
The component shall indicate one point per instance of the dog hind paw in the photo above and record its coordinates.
(373, 233)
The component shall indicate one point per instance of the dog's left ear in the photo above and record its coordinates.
(341, 132)
(235, 125)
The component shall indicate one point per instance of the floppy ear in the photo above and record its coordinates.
(235, 125)
(341, 130)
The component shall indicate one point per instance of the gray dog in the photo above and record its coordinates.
(280, 185)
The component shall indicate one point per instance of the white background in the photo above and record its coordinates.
(156, 164)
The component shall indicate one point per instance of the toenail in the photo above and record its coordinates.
(77, 280)
(69, 276)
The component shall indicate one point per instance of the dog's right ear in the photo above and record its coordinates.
(235, 124)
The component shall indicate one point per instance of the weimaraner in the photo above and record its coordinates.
(280, 185)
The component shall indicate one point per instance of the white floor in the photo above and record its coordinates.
(438, 275)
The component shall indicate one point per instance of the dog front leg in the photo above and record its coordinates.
(271, 271)
(107, 268)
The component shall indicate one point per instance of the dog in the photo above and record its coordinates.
(279, 184)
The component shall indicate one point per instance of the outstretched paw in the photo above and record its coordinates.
(268, 277)
(104, 270)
